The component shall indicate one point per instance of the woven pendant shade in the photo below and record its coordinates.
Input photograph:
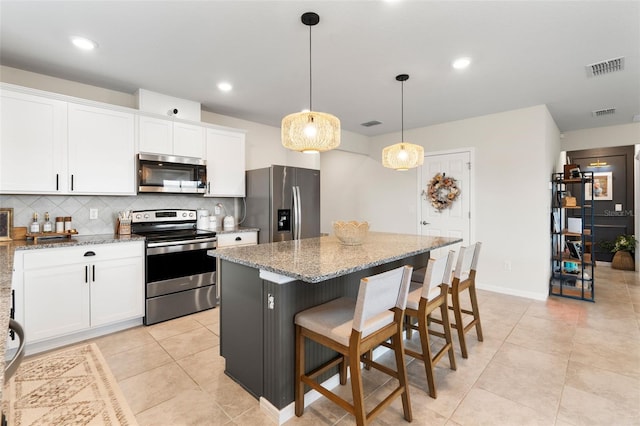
(402, 156)
(310, 132)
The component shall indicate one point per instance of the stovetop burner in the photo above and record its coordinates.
(168, 225)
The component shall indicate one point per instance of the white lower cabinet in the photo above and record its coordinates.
(236, 239)
(68, 290)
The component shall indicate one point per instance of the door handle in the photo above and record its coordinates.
(424, 222)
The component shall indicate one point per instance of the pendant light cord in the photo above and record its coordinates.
(310, 78)
(402, 111)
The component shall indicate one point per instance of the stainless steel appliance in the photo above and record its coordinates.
(167, 173)
(284, 202)
(180, 276)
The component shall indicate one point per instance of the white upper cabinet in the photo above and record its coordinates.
(33, 148)
(101, 151)
(225, 163)
(52, 146)
(162, 136)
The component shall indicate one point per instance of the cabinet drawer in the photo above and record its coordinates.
(237, 239)
(46, 258)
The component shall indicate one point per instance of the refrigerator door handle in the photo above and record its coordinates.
(299, 213)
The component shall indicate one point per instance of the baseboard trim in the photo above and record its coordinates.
(512, 292)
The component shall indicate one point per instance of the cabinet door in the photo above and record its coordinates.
(101, 151)
(117, 290)
(155, 135)
(188, 140)
(225, 163)
(33, 149)
(56, 301)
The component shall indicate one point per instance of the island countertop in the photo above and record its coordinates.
(315, 260)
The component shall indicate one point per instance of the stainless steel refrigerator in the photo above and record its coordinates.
(283, 202)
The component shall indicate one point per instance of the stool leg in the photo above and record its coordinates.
(356, 385)
(476, 311)
(457, 313)
(427, 357)
(398, 348)
(444, 311)
(299, 371)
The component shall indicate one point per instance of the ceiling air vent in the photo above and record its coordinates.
(371, 123)
(605, 67)
(603, 112)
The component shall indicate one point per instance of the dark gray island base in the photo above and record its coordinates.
(262, 288)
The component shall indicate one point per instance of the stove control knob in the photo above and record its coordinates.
(138, 216)
(146, 216)
(191, 215)
(184, 214)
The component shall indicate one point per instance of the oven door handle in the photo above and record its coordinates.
(183, 242)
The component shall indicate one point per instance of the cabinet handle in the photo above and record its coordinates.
(57, 182)
(90, 253)
(86, 274)
(12, 313)
(238, 238)
(93, 273)
(72, 182)
(209, 187)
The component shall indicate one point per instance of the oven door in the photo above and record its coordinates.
(179, 265)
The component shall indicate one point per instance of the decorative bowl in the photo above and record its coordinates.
(351, 233)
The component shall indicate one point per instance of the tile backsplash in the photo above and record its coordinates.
(77, 206)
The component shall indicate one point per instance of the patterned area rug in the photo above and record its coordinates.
(71, 387)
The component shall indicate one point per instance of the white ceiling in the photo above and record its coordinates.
(524, 53)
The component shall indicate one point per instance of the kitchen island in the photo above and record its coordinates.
(263, 286)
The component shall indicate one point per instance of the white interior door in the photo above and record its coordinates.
(455, 220)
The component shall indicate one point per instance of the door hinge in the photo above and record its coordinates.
(469, 215)
(469, 165)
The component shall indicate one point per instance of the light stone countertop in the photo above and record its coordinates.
(7, 251)
(317, 259)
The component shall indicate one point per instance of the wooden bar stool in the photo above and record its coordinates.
(352, 328)
(464, 278)
(423, 299)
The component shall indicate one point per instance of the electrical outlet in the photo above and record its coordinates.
(216, 209)
(93, 214)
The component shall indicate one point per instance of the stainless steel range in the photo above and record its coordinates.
(180, 276)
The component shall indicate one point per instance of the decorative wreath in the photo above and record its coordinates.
(442, 191)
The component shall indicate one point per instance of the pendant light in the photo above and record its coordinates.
(403, 155)
(310, 131)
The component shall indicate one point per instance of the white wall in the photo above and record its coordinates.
(515, 153)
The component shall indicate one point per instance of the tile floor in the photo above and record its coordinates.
(560, 362)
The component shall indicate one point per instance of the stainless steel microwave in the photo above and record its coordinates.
(173, 174)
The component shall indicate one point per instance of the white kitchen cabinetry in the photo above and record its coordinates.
(101, 151)
(52, 146)
(167, 137)
(68, 290)
(236, 239)
(33, 152)
(225, 163)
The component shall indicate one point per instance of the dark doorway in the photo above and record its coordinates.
(615, 216)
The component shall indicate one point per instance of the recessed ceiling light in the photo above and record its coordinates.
(461, 63)
(83, 43)
(225, 87)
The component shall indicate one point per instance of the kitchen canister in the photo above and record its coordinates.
(59, 224)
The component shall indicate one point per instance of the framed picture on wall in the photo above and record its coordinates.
(602, 186)
(6, 223)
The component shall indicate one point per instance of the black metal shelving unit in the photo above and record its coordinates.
(572, 271)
